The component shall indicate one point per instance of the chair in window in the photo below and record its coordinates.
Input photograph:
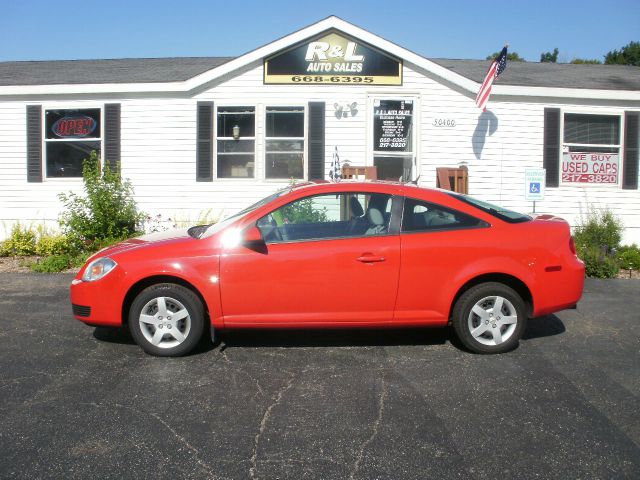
(356, 172)
(454, 179)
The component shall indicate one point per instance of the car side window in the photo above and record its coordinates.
(328, 216)
(420, 216)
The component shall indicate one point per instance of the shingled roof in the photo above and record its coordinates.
(125, 70)
(164, 70)
(563, 75)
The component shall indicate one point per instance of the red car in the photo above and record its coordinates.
(370, 254)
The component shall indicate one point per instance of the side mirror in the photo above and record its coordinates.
(252, 236)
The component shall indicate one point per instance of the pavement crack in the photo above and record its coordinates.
(374, 430)
(263, 426)
(194, 451)
(223, 352)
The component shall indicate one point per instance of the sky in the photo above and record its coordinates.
(83, 29)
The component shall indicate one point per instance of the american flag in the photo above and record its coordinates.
(497, 67)
(335, 174)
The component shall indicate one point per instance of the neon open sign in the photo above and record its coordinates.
(74, 126)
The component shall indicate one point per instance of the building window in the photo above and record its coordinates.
(70, 136)
(236, 142)
(393, 138)
(284, 153)
(591, 149)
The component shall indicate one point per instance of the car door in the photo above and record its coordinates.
(326, 260)
(439, 244)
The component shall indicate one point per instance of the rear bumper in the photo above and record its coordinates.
(99, 302)
(559, 289)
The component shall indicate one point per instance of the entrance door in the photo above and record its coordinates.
(394, 139)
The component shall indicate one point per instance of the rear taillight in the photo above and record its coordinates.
(572, 245)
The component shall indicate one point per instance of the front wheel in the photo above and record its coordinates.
(166, 320)
(489, 318)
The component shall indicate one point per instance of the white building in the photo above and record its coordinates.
(199, 135)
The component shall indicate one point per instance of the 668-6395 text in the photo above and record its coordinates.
(330, 79)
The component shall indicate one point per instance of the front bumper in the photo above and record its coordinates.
(99, 302)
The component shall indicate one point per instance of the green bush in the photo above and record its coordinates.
(106, 211)
(52, 245)
(597, 238)
(600, 229)
(629, 257)
(598, 263)
(58, 263)
(52, 264)
(304, 211)
(21, 242)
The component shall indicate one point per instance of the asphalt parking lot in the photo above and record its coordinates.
(84, 403)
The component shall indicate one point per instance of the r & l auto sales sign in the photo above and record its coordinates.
(333, 58)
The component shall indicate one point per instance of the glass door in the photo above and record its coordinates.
(394, 138)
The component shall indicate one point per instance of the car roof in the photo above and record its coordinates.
(375, 185)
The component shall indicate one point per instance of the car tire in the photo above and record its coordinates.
(481, 328)
(167, 320)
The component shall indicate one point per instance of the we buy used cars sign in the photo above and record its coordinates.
(590, 167)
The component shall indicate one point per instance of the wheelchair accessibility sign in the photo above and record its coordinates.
(534, 179)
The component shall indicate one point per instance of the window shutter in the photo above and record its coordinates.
(34, 143)
(551, 155)
(204, 147)
(111, 154)
(630, 158)
(316, 140)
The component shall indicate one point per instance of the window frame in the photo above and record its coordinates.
(416, 97)
(393, 227)
(444, 228)
(44, 140)
(216, 138)
(596, 112)
(305, 139)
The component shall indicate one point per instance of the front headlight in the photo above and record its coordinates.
(98, 269)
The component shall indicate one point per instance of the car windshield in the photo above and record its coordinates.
(502, 213)
(204, 231)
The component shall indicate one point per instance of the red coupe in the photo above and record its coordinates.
(345, 254)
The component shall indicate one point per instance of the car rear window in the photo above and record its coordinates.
(502, 213)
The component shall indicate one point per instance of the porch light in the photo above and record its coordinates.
(236, 132)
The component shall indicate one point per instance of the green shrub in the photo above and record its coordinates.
(598, 263)
(52, 264)
(58, 263)
(52, 245)
(106, 211)
(629, 257)
(21, 242)
(303, 211)
(600, 229)
(597, 238)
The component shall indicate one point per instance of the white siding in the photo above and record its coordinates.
(159, 138)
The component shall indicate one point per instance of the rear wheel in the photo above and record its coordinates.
(489, 318)
(167, 320)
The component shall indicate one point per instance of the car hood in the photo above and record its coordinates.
(150, 240)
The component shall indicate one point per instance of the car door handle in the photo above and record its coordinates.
(370, 258)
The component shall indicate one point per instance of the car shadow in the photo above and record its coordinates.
(547, 326)
(369, 337)
(119, 335)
